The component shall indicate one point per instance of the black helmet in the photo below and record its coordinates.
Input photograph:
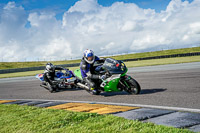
(49, 67)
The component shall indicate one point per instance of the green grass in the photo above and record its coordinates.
(10, 65)
(163, 61)
(26, 119)
(157, 53)
(28, 73)
(128, 64)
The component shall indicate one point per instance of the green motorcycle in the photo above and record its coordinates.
(116, 78)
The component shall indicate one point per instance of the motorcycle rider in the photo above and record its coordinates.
(87, 69)
(49, 74)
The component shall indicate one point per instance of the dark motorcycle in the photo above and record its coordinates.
(116, 78)
(62, 80)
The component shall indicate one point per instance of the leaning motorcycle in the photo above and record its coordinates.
(116, 78)
(62, 80)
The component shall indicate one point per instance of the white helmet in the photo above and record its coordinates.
(49, 67)
(89, 56)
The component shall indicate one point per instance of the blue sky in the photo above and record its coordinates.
(60, 6)
(62, 29)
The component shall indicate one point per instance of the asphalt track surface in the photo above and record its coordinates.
(175, 85)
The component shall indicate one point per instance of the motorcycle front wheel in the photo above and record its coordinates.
(133, 87)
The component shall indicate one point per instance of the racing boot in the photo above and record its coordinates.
(44, 83)
(50, 88)
(91, 89)
(55, 86)
(94, 91)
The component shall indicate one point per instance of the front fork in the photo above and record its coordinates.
(123, 82)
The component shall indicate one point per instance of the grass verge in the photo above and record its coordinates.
(157, 53)
(128, 64)
(10, 65)
(163, 61)
(26, 119)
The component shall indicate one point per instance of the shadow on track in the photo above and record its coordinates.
(150, 91)
(143, 92)
(107, 94)
(70, 89)
(63, 89)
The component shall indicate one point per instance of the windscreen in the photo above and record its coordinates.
(114, 66)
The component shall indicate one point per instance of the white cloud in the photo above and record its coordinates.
(129, 26)
(85, 6)
(119, 28)
(111, 45)
(57, 47)
(195, 28)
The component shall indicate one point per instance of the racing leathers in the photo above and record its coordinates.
(87, 72)
(49, 77)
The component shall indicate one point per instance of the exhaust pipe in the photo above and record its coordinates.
(83, 86)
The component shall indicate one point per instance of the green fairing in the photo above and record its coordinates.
(124, 73)
(112, 85)
(77, 72)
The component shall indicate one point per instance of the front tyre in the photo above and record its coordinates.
(133, 86)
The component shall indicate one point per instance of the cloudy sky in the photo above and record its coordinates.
(63, 29)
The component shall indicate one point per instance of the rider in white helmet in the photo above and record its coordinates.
(87, 69)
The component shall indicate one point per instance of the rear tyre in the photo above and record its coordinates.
(134, 87)
(73, 86)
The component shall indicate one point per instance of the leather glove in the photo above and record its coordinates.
(103, 77)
